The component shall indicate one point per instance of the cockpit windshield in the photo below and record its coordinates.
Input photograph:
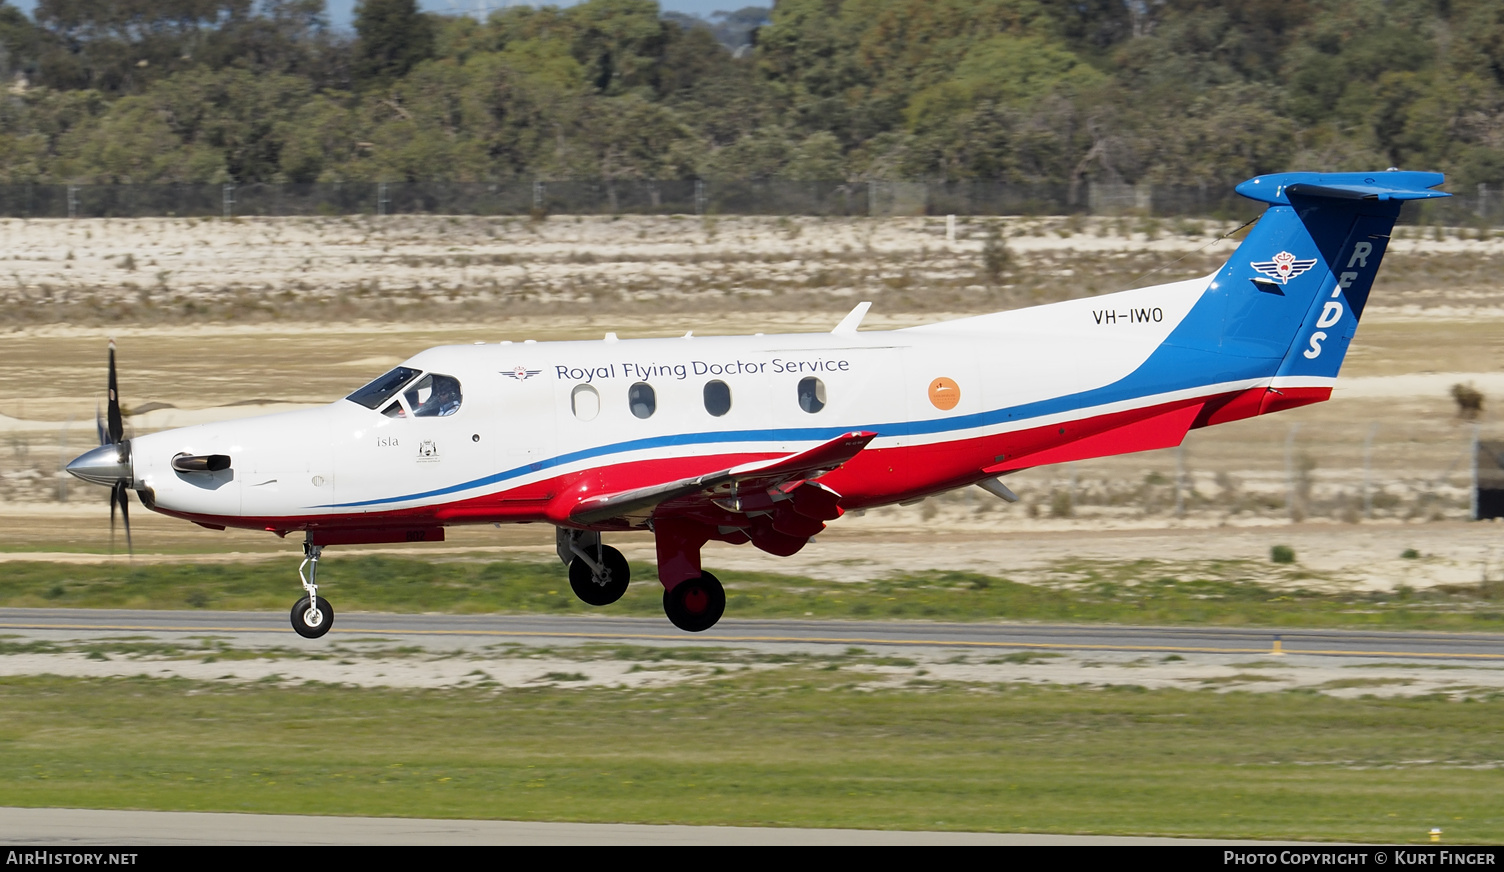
(384, 388)
(434, 396)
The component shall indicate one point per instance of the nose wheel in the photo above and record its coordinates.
(312, 616)
(312, 619)
(694, 605)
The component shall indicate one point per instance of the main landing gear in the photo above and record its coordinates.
(692, 598)
(312, 616)
(695, 604)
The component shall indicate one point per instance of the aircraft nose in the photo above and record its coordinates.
(104, 465)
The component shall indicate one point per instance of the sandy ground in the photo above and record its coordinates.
(176, 261)
(426, 268)
(1339, 557)
(377, 664)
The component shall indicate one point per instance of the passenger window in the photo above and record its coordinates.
(642, 400)
(434, 396)
(717, 398)
(811, 394)
(585, 401)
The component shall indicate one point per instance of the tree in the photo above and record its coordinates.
(122, 46)
(393, 37)
(19, 41)
(620, 43)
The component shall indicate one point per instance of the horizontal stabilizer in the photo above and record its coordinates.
(757, 476)
(1390, 185)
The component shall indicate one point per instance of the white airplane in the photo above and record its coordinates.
(764, 439)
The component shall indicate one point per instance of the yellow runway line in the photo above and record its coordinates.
(124, 627)
(840, 640)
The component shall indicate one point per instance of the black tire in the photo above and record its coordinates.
(696, 604)
(582, 580)
(300, 614)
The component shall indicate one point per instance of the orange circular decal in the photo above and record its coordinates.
(944, 393)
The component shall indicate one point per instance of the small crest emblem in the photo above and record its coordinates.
(427, 451)
(1283, 267)
(522, 373)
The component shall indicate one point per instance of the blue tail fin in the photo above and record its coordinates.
(1295, 288)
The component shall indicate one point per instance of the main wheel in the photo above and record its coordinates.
(612, 584)
(312, 622)
(695, 604)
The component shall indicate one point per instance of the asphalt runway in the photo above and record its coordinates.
(458, 630)
(66, 827)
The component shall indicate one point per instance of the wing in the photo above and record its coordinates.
(748, 489)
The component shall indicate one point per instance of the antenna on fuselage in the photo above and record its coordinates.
(853, 320)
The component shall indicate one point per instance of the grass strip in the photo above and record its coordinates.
(1221, 593)
(794, 746)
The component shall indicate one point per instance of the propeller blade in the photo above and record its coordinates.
(125, 518)
(117, 426)
(121, 494)
(99, 424)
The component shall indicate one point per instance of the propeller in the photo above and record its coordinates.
(110, 463)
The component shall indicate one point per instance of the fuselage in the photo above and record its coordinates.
(951, 403)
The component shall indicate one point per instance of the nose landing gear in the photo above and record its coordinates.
(598, 574)
(599, 578)
(312, 616)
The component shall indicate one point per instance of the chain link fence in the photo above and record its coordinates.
(1482, 207)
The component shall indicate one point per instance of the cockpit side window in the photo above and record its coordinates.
(434, 396)
(382, 389)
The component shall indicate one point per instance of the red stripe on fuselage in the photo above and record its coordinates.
(874, 477)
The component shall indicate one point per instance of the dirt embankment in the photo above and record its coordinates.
(403, 269)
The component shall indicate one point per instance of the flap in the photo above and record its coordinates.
(757, 475)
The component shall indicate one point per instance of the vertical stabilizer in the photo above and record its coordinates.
(1294, 290)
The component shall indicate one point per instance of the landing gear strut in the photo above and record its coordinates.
(598, 574)
(312, 616)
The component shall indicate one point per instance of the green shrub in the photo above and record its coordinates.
(1469, 400)
(995, 257)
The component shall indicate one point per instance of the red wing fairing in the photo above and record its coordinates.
(775, 504)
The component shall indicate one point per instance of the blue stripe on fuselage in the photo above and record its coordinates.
(1170, 368)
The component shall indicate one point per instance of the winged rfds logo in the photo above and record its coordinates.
(1283, 267)
(522, 373)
